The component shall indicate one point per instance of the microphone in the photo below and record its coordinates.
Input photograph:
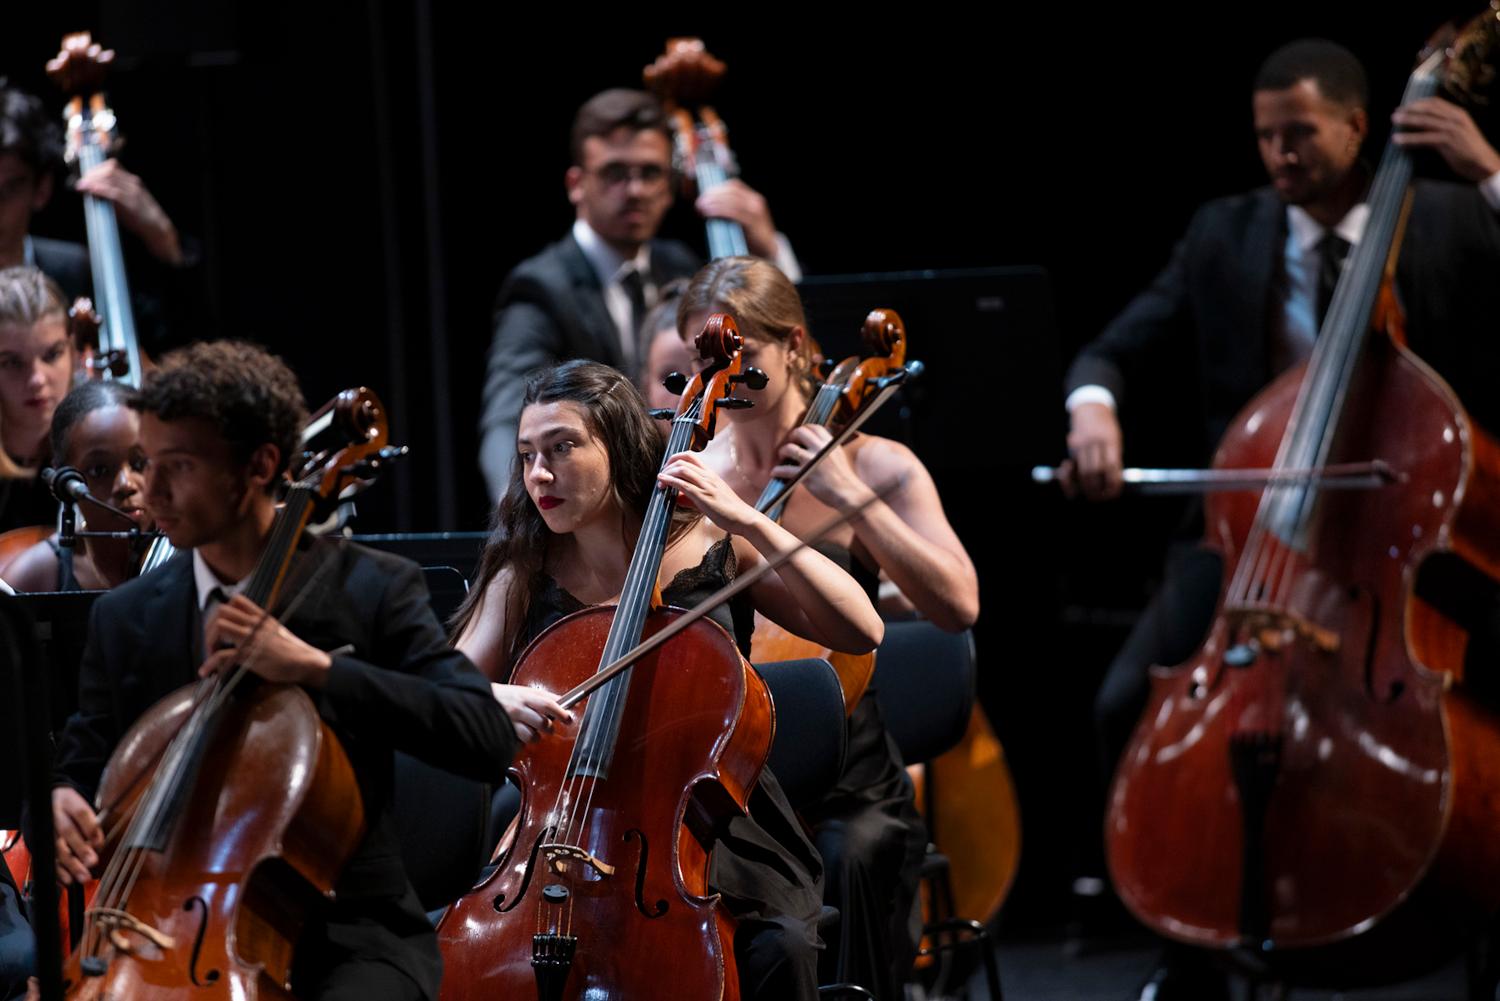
(68, 485)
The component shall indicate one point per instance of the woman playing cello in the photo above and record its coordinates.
(868, 831)
(588, 458)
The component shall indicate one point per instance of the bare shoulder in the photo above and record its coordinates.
(34, 570)
(878, 460)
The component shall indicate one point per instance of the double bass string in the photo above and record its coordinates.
(1331, 370)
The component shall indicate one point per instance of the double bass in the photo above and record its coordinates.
(683, 77)
(106, 349)
(230, 806)
(1316, 783)
(602, 888)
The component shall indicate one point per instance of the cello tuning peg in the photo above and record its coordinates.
(662, 413)
(752, 377)
(826, 367)
(675, 382)
(736, 403)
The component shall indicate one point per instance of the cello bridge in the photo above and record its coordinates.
(559, 855)
(1276, 630)
(118, 921)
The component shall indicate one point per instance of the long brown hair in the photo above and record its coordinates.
(519, 538)
(762, 300)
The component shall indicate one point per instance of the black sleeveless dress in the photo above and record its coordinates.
(873, 842)
(67, 580)
(767, 871)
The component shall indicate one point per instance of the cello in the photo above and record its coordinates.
(230, 806)
(842, 397)
(1315, 786)
(966, 795)
(607, 865)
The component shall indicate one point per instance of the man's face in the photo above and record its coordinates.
(195, 491)
(22, 193)
(1307, 142)
(623, 187)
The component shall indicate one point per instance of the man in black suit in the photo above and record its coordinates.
(218, 422)
(1241, 300)
(586, 295)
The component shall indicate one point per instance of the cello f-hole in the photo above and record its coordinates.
(660, 908)
(500, 905)
(212, 976)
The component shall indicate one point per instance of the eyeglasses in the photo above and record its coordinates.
(649, 174)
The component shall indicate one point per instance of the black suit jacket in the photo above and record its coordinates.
(402, 688)
(1210, 310)
(551, 309)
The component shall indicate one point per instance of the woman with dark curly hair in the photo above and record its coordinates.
(96, 432)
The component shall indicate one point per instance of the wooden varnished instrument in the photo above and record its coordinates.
(602, 890)
(229, 807)
(684, 76)
(1317, 775)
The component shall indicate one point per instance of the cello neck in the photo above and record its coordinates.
(824, 405)
(601, 724)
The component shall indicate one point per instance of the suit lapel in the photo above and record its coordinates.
(588, 297)
(1264, 240)
(170, 622)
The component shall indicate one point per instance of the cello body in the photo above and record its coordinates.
(1301, 798)
(241, 866)
(693, 737)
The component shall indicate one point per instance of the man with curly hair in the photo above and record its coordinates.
(218, 424)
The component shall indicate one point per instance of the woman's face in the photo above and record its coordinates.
(105, 445)
(668, 353)
(771, 356)
(565, 466)
(36, 370)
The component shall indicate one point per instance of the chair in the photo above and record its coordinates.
(807, 753)
(925, 684)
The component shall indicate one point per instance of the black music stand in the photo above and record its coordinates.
(23, 680)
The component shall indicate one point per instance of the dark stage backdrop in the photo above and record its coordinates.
(362, 175)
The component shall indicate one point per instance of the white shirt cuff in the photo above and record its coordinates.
(1089, 394)
(1490, 189)
(786, 259)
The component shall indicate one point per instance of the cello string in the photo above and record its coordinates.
(653, 536)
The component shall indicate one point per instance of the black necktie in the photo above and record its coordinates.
(1331, 253)
(635, 287)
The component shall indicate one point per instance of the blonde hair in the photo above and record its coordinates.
(762, 300)
(26, 298)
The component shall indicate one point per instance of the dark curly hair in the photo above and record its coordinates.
(241, 388)
(28, 131)
(519, 538)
